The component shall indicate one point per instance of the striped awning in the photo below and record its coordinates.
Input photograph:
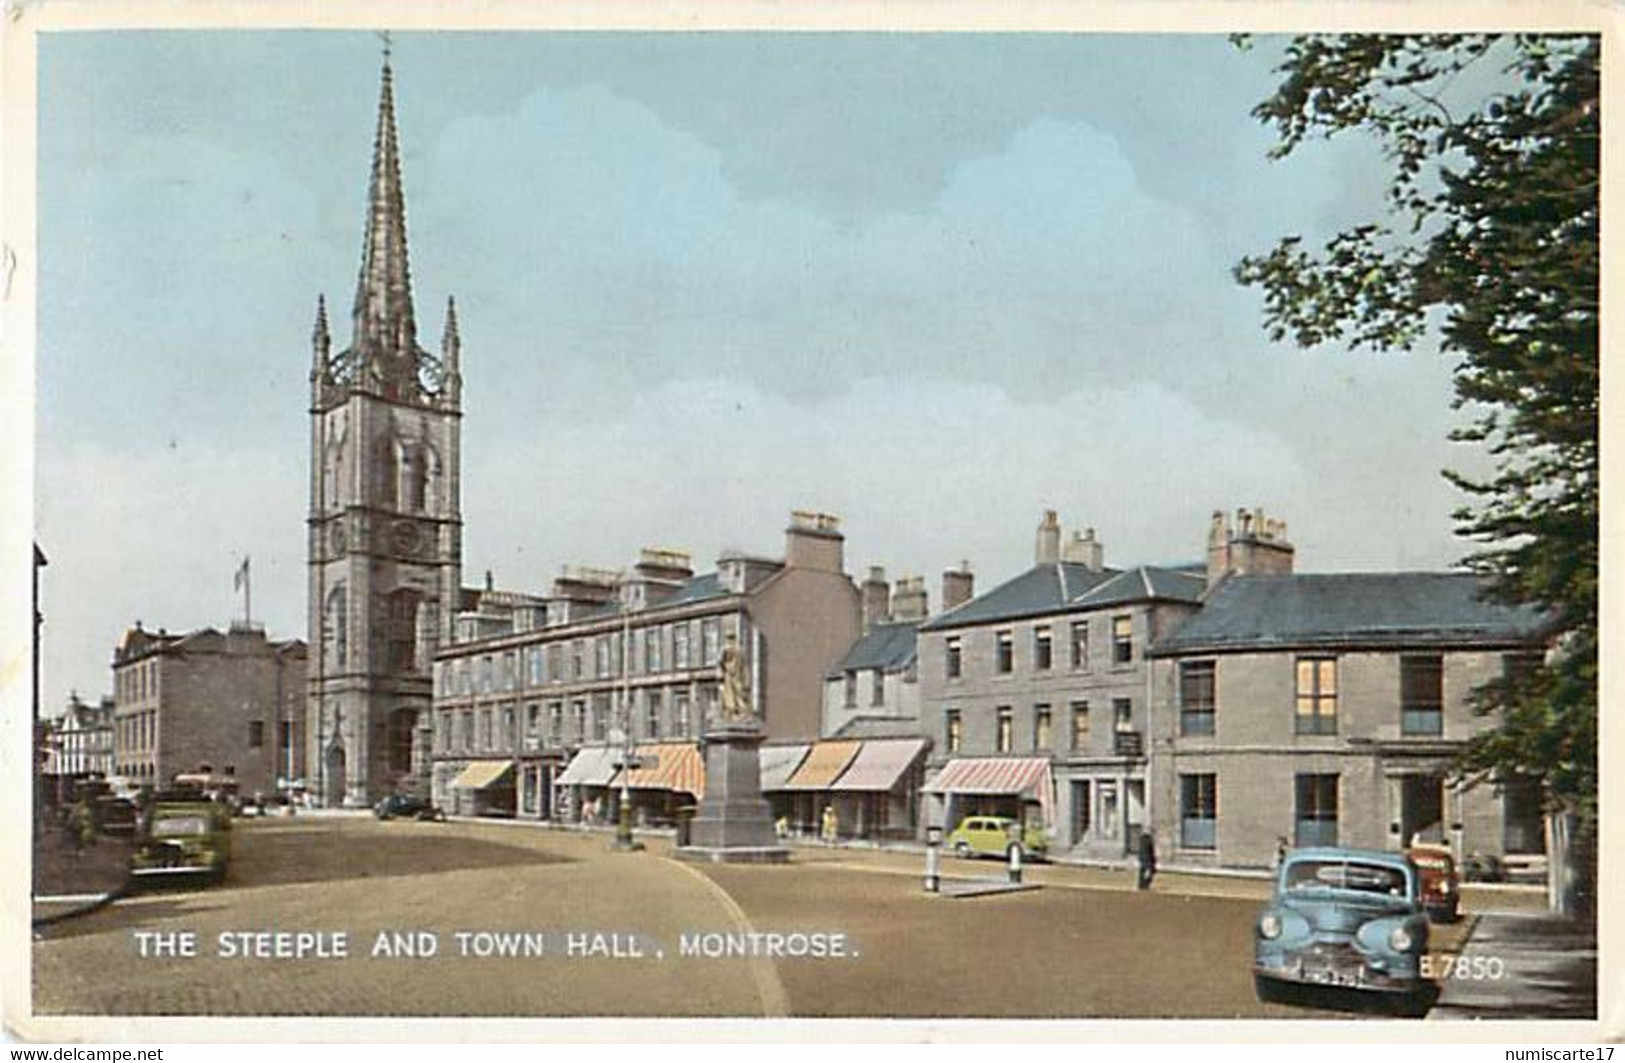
(677, 766)
(880, 764)
(482, 773)
(999, 776)
(778, 763)
(824, 764)
(593, 766)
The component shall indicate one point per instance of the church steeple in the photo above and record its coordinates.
(385, 346)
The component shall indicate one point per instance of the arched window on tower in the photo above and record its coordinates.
(389, 472)
(338, 627)
(333, 475)
(402, 627)
(414, 477)
(433, 480)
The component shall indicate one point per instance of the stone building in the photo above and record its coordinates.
(232, 703)
(1327, 709)
(82, 739)
(385, 524)
(533, 693)
(1036, 694)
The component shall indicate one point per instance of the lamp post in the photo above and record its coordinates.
(1015, 853)
(933, 859)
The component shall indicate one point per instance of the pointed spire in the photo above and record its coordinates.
(385, 332)
(451, 345)
(320, 343)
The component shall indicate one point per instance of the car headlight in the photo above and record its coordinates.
(1270, 926)
(1400, 938)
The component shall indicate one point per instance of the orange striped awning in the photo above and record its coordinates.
(678, 767)
(824, 764)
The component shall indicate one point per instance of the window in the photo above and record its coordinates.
(442, 732)
(555, 662)
(711, 640)
(1122, 639)
(652, 640)
(679, 646)
(1198, 811)
(555, 723)
(505, 739)
(600, 656)
(533, 720)
(1316, 816)
(535, 660)
(578, 712)
(1317, 695)
(1041, 727)
(652, 714)
(578, 653)
(485, 675)
(285, 735)
(685, 722)
(1122, 714)
(465, 733)
(877, 687)
(1196, 682)
(1080, 644)
(1005, 658)
(402, 630)
(485, 729)
(708, 702)
(952, 730)
(850, 697)
(955, 658)
(1042, 651)
(1421, 695)
(256, 734)
(600, 717)
(1080, 725)
(1007, 729)
(510, 670)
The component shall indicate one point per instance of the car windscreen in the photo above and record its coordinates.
(1348, 875)
(180, 826)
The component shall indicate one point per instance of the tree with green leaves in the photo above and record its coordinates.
(1489, 246)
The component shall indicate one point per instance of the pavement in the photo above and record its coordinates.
(69, 880)
(1522, 967)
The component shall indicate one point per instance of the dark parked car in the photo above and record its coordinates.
(1344, 919)
(117, 815)
(1441, 888)
(406, 806)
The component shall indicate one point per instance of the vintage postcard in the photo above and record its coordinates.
(1065, 514)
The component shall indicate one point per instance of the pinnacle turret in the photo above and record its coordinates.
(320, 343)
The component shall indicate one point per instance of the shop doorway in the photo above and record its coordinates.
(1421, 809)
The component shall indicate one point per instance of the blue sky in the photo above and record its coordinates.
(934, 283)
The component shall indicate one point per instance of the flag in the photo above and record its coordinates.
(238, 580)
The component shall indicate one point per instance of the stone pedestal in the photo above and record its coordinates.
(734, 823)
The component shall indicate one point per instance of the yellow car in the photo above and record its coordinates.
(993, 836)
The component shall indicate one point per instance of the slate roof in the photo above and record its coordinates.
(867, 727)
(1054, 588)
(697, 589)
(885, 646)
(1381, 609)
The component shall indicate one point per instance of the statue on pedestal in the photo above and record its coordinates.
(735, 693)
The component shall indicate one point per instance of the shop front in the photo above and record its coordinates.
(777, 764)
(876, 797)
(485, 788)
(581, 792)
(669, 777)
(809, 788)
(1021, 788)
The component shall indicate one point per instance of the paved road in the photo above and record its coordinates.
(1083, 946)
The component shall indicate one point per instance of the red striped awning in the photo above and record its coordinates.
(1006, 776)
(880, 764)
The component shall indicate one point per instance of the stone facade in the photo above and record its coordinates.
(82, 739)
(1384, 774)
(533, 679)
(232, 703)
(385, 524)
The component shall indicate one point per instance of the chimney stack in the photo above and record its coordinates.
(1047, 551)
(876, 598)
(814, 541)
(958, 586)
(909, 602)
(1255, 545)
(1084, 549)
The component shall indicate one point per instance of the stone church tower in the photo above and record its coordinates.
(385, 548)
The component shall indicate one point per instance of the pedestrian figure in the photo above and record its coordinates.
(781, 827)
(831, 825)
(1147, 859)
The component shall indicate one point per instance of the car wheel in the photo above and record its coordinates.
(1268, 990)
(962, 850)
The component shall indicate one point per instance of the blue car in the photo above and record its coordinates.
(1348, 919)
